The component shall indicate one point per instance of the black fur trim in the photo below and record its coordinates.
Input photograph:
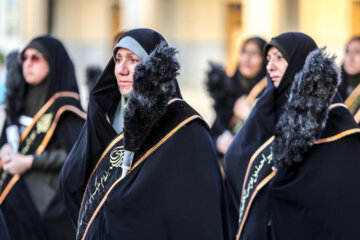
(222, 92)
(15, 88)
(306, 113)
(154, 84)
(93, 72)
(216, 82)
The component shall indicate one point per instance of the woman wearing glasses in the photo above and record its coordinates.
(44, 118)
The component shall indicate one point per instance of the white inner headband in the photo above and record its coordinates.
(132, 45)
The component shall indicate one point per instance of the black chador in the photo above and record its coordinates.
(291, 171)
(31, 203)
(173, 188)
(226, 90)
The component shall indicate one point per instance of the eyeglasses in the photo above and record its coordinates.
(33, 58)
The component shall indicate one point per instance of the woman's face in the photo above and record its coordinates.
(125, 63)
(250, 60)
(35, 67)
(276, 65)
(352, 58)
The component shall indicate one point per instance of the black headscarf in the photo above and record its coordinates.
(237, 77)
(349, 82)
(61, 75)
(260, 125)
(294, 47)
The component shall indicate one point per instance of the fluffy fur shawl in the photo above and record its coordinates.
(15, 88)
(153, 87)
(306, 113)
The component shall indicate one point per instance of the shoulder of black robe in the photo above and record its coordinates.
(97, 134)
(174, 194)
(305, 199)
(308, 198)
(311, 192)
(260, 125)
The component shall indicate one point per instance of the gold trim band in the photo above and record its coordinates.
(257, 189)
(135, 165)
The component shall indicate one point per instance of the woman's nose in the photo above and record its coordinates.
(122, 68)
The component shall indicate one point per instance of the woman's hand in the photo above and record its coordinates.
(242, 108)
(15, 163)
(223, 142)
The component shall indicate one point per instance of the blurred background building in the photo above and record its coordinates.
(201, 30)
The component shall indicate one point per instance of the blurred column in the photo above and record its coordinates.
(34, 18)
(328, 22)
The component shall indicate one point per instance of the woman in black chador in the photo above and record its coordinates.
(44, 119)
(291, 171)
(235, 96)
(351, 77)
(144, 166)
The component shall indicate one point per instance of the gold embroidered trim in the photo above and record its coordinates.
(135, 165)
(45, 108)
(354, 94)
(51, 130)
(257, 189)
(337, 105)
(338, 136)
(46, 139)
(117, 139)
(253, 157)
(256, 90)
(357, 116)
(174, 100)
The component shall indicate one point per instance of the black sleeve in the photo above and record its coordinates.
(50, 160)
(69, 129)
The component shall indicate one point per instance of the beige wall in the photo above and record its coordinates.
(34, 18)
(83, 20)
(328, 22)
(197, 28)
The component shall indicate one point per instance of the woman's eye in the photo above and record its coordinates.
(133, 60)
(117, 60)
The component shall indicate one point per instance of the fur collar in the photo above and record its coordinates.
(306, 112)
(153, 87)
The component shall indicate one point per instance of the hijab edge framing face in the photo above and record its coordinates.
(276, 65)
(246, 58)
(294, 47)
(35, 66)
(125, 64)
(352, 57)
(61, 74)
(141, 42)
